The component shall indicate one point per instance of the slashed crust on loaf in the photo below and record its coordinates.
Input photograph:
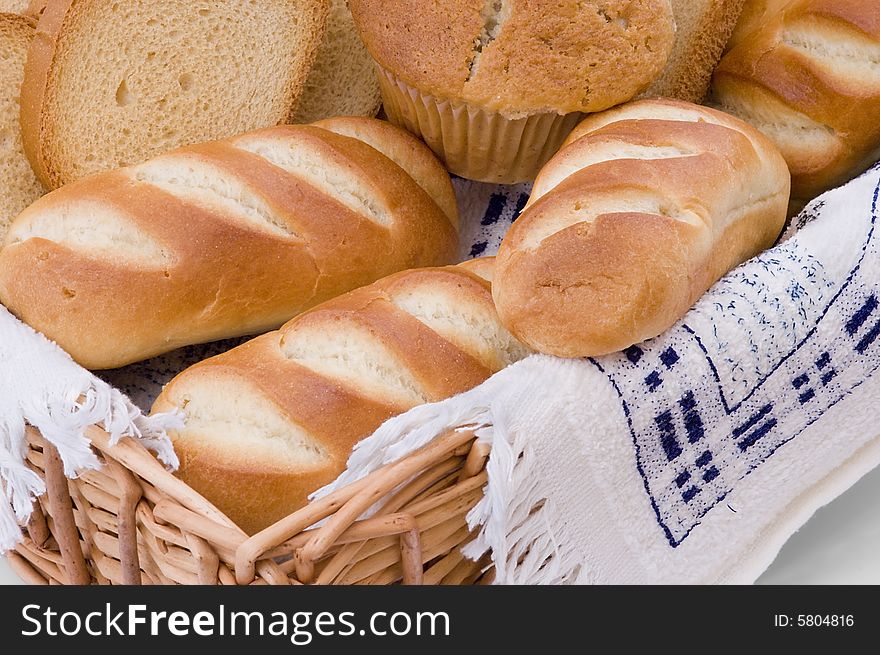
(113, 82)
(519, 57)
(406, 151)
(224, 238)
(810, 80)
(755, 15)
(18, 183)
(637, 216)
(327, 379)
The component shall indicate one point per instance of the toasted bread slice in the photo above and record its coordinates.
(114, 82)
(14, 6)
(18, 183)
(702, 30)
(343, 81)
(34, 8)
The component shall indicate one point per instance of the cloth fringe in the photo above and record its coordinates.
(515, 523)
(62, 421)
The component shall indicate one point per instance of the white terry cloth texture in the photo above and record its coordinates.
(690, 458)
(40, 385)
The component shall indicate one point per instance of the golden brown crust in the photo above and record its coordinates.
(632, 222)
(755, 15)
(406, 151)
(333, 412)
(253, 498)
(520, 57)
(808, 78)
(219, 275)
(34, 88)
(483, 267)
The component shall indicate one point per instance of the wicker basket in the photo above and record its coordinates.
(132, 522)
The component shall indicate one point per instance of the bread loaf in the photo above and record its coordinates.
(643, 209)
(275, 419)
(810, 80)
(18, 183)
(114, 82)
(702, 28)
(226, 238)
(755, 15)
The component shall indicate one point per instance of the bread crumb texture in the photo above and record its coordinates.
(343, 80)
(122, 80)
(18, 182)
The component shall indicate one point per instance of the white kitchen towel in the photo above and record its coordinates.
(40, 385)
(693, 457)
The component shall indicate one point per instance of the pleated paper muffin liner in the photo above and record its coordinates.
(474, 143)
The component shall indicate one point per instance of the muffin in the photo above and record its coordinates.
(495, 86)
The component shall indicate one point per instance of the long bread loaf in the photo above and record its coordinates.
(226, 238)
(645, 207)
(809, 78)
(273, 420)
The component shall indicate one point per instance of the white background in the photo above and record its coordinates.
(839, 545)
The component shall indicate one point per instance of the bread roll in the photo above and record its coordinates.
(113, 82)
(641, 212)
(809, 78)
(226, 238)
(273, 420)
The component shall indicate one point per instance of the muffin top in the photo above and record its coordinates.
(520, 57)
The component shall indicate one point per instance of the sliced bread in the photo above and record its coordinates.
(18, 183)
(14, 6)
(702, 30)
(343, 81)
(114, 82)
(35, 8)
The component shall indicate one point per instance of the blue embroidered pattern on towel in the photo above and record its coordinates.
(705, 410)
(487, 210)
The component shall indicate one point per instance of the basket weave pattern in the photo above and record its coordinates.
(132, 522)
